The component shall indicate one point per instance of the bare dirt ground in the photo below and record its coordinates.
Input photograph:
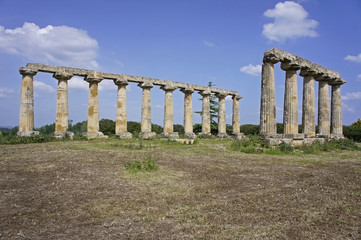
(81, 190)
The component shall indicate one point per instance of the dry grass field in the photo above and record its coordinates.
(81, 190)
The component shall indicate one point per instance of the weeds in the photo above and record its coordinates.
(150, 164)
(25, 140)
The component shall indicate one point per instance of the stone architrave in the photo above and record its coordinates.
(93, 107)
(236, 116)
(336, 111)
(146, 124)
(62, 113)
(308, 103)
(290, 113)
(168, 112)
(188, 112)
(222, 133)
(121, 124)
(323, 108)
(268, 100)
(206, 113)
(26, 120)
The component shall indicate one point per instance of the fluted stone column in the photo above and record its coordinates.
(268, 100)
(121, 124)
(308, 104)
(62, 113)
(222, 133)
(93, 107)
(168, 112)
(236, 116)
(323, 108)
(26, 120)
(336, 111)
(188, 113)
(206, 113)
(290, 113)
(146, 124)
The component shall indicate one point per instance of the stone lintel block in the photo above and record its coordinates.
(145, 84)
(171, 135)
(124, 135)
(27, 71)
(185, 141)
(147, 135)
(190, 135)
(222, 135)
(27, 133)
(90, 135)
(120, 82)
(294, 136)
(271, 135)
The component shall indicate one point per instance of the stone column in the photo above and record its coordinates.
(336, 111)
(236, 116)
(93, 107)
(26, 120)
(188, 113)
(308, 103)
(168, 112)
(206, 114)
(121, 125)
(62, 113)
(146, 124)
(222, 133)
(290, 110)
(323, 108)
(268, 100)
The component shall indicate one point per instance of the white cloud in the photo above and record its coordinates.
(290, 21)
(228, 98)
(359, 77)
(356, 59)
(43, 87)
(209, 44)
(158, 106)
(107, 85)
(352, 96)
(5, 92)
(78, 83)
(252, 70)
(348, 108)
(60, 45)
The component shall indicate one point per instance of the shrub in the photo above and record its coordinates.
(150, 164)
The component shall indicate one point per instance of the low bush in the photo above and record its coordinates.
(150, 164)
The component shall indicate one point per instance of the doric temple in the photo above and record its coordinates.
(329, 125)
(64, 74)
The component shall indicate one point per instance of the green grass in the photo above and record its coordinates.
(150, 164)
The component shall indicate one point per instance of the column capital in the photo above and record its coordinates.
(307, 72)
(93, 78)
(121, 82)
(62, 75)
(338, 81)
(270, 59)
(168, 88)
(145, 85)
(221, 95)
(206, 92)
(187, 90)
(289, 66)
(27, 71)
(237, 97)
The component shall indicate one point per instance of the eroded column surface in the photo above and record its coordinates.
(308, 104)
(93, 107)
(323, 108)
(221, 115)
(62, 113)
(121, 124)
(26, 120)
(168, 112)
(236, 116)
(188, 113)
(206, 113)
(268, 100)
(290, 111)
(336, 111)
(146, 123)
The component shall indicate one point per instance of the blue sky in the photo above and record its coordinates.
(195, 42)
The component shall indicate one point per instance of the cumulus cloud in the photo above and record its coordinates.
(290, 21)
(209, 44)
(356, 59)
(78, 83)
(352, 96)
(43, 87)
(60, 45)
(252, 69)
(5, 92)
(348, 108)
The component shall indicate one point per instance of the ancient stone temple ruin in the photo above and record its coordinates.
(328, 126)
(64, 74)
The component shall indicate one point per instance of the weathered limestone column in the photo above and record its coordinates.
(168, 112)
(308, 103)
(336, 111)
(268, 100)
(236, 116)
(323, 108)
(290, 111)
(62, 113)
(188, 112)
(26, 122)
(93, 107)
(146, 124)
(222, 133)
(206, 114)
(121, 124)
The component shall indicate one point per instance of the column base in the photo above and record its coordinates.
(90, 135)
(321, 135)
(238, 136)
(27, 133)
(205, 134)
(147, 135)
(337, 136)
(68, 134)
(190, 135)
(222, 135)
(124, 135)
(294, 136)
(172, 135)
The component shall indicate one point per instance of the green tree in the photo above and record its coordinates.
(107, 126)
(213, 102)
